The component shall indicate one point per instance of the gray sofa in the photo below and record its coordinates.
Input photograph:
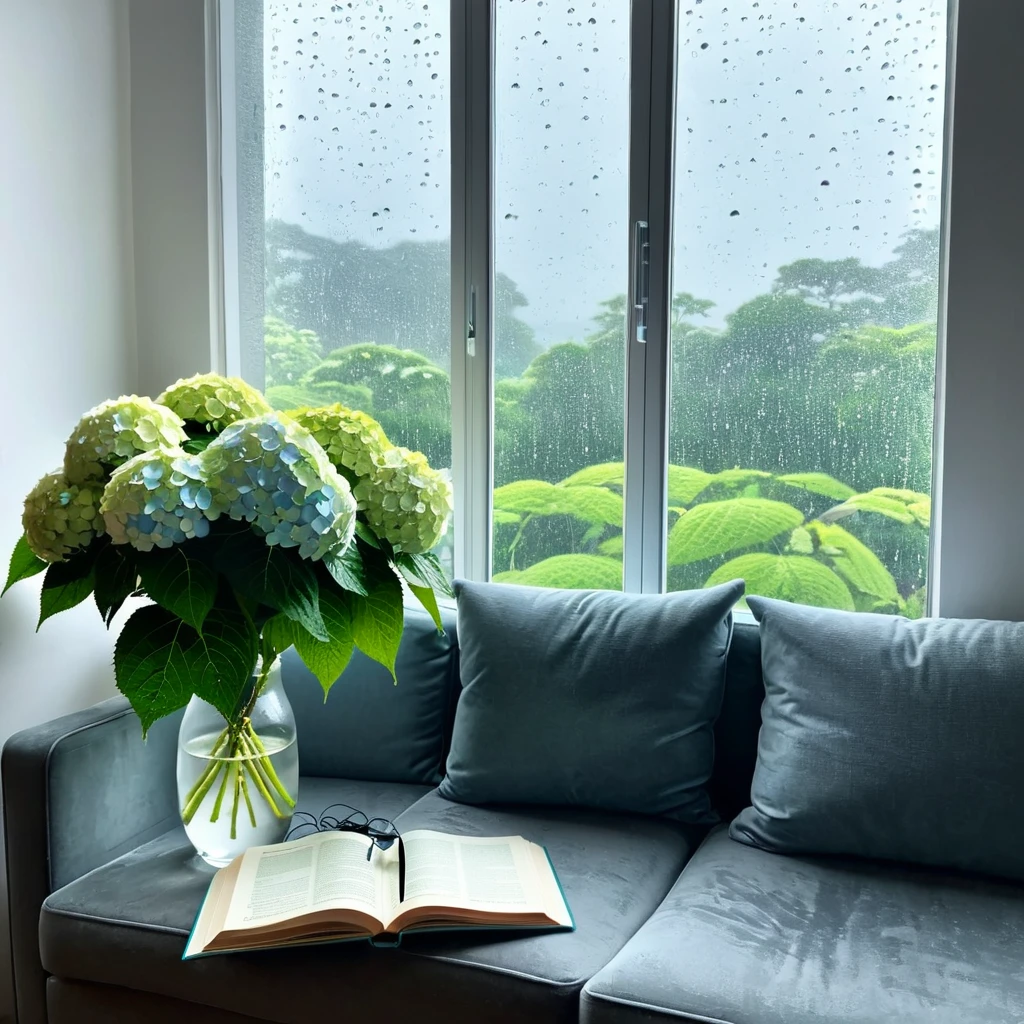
(672, 924)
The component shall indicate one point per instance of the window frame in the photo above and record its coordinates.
(236, 225)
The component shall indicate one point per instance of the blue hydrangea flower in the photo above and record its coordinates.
(151, 502)
(272, 473)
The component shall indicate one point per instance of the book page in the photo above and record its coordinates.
(471, 879)
(325, 871)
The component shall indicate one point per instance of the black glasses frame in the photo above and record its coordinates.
(380, 831)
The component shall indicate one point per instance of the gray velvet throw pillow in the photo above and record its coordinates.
(589, 698)
(890, 739)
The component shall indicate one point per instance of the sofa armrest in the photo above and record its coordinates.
(77, 792)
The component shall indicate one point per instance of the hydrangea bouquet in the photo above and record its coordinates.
(251, 531)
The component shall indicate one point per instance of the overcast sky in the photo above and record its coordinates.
(803, 129)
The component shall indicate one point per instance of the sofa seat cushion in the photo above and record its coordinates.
(126, 924)
(750, 937)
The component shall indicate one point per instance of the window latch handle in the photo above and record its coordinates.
(471, 325)
(641, 277)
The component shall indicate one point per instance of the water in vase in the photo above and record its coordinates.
(210, 827)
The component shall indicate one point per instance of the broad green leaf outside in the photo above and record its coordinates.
(582, 572)
(797, 578)
(718, 527)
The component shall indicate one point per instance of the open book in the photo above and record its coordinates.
(322, 888)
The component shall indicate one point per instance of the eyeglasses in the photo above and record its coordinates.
(380, 831)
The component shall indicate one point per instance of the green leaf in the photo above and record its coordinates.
(427, 598)
(685, 483)
(602, 475)
(279, 633)
(328, 660)
(801, 542)
(905, 507)
(347, 570)
(116, 579)
(24, 564)
(184, 586)
(160, 661)
(571, 572)
(195, 445)
(612, 547)
(787, 577)
(366, 535)
(274, 576)
(857, 564)
(502, 518)
(591, 504)
(425, 571)
(377, 618)
(916, 605)
(739, 478)
(819, 483)
(68, 583)
(718, 527)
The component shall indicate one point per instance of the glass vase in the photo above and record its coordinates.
(238, 780)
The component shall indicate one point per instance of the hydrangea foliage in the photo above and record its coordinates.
(60, 518)
(405, 501)
(216, 401)
(150, 502)
(240, 525)
(271, 472)
(116, 431)
(353, 440)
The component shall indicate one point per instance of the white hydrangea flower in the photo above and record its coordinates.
(212, 399)
(116, 431)
(405, 501)
(61, 517)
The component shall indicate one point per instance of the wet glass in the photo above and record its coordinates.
(357, 197)
(561, 123)
(809, 166)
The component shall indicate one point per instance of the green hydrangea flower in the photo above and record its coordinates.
(405, 501)
(213, 399)
(61, 517)
(271, 472)
(353, 440)
(147, 502)
(116, 431)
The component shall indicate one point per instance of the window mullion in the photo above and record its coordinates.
(650, 195)
(472, 277)
(659, 317)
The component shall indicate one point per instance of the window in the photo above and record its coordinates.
(658, 284)
(805, 270)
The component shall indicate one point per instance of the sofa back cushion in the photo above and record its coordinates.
(589, 698)
(738, 723)
(890, 739)
(371, 727)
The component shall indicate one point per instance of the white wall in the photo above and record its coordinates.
(169, 186)
(67, 295)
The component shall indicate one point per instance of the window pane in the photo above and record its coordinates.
(561, 208)
(805, 274)
(356, 189)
